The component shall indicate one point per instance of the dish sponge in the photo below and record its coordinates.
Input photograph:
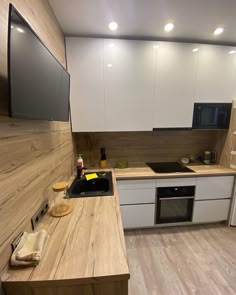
(91, 176)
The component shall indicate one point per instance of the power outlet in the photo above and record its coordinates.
(37, 217)
(16, 241)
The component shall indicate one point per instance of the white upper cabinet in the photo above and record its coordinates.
(128, 85)
(85, 65)
(216, 74)
(175, 88)
(129, 75)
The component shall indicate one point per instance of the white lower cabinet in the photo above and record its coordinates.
(212, 199)
(211, 211)
(137, 215)
(138, 199)
(137, 202)
(219, 187)
(140, 196)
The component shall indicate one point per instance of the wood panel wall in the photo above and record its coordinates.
(33, 154)
(230, 143)
(141, 147)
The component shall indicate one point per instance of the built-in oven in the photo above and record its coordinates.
(174, 204)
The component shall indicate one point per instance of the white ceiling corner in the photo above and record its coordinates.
(194, 20)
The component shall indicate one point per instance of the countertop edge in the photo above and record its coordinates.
(69, 282)
(174, 176)
(136, 173)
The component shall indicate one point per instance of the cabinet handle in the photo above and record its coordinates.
(175, 198)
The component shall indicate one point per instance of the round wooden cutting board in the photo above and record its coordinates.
(62, 209)
(60, 186)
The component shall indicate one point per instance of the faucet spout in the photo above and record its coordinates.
(80, 172)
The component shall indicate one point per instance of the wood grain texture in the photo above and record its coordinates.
(182, 260)
(230, 143)
(109, 288)
(61, 209)
(199, 170)
(33, 154)
(85, 247)
(141, 147)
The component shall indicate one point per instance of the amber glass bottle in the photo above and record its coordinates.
(103, 158)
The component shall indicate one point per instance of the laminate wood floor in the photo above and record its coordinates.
(182, 260)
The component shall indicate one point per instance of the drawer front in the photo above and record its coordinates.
(140, 196)
(214, 187)
(211, 211)
(176, 182)
(136, 184)
(137, 215)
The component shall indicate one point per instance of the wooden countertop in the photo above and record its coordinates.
(85, 246)
(199, 170)
(88, 245)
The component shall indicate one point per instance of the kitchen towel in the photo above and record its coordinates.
(30, 249)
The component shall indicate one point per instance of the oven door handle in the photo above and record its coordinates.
(175, 198)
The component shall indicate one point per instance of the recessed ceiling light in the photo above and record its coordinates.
(20, 30)
(169, 27)
(232, 51)
(218, 31)
(195, 49)
(113, 26)
(109, 65)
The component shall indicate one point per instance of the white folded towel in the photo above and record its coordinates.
(30, 248)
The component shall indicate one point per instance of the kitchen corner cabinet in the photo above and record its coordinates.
(176, 72)
(129, 73)
(137, 202)
(140, 215)
(216, 74)
(85, 65)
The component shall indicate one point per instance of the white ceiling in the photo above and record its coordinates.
(194, 20)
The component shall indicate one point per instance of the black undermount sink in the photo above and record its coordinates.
(101, 186)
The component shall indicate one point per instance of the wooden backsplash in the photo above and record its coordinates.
(33, 154)
(141, 147)
(230, 143)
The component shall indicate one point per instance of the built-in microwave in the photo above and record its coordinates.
(211, 115)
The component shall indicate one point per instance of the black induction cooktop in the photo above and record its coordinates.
(168, 167)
